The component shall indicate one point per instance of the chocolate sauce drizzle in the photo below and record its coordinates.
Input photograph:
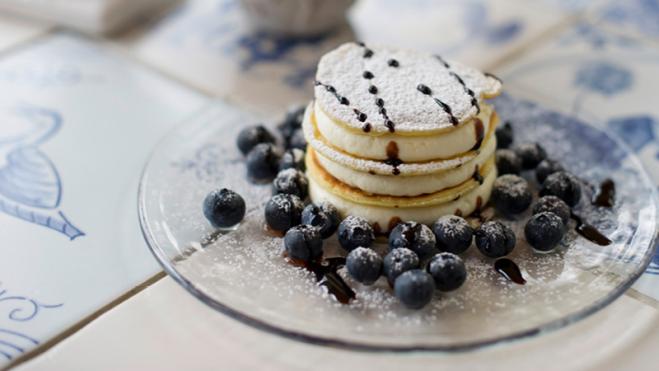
(492, 76)
(605, 196)
(442, 61)
(480, 134)
(425, 90)
(472, 95)
(326, 274)
(372, 89)
(589, 232)
(342, 100)
(392, 157)
(477, 176)
(393, 63)
(508, 269)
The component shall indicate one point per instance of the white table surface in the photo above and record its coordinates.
(164, 328)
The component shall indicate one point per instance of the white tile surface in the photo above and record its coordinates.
(208, 43)
(606, 79)
(164, 328)
(15, 30)
(78, 123)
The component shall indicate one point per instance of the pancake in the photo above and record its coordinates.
(401, 91)
(411, 148)
(384, 218)
(406, 185)
(379, 167)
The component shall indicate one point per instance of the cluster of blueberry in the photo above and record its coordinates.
(420, 259)
(511, 194)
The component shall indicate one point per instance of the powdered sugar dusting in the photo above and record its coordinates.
(408, 109)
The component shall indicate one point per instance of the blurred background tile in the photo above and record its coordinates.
(14, 31)
(77, 128)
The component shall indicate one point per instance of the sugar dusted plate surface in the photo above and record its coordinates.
(243, 274)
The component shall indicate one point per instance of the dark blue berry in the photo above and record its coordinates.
(292, 159)
(364, 265)
(545, 168)
(508, 162)
(303, 242)
(504, 135)
(354, 232)
(544, 231)
(398, 261)
(291, 181)
(263, 162)
(448, 271)
(250, 136)
(291, 122)
(324, 216)
(511, 194)
(495, 239)
(297, 140)
(224, 208)
(453, 234)
(414, 236)
(554, 205)
(414, 288)
(283, 211)
(564, 186)
(531, 154)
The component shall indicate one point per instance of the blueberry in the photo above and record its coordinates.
(283, 211)
(292, 159)
(544, 231)
(303, 242)
(552, 204)
(414, 288)
(263, 162)
(508, 162)
(291, 181)
(224, 208)
(531, 154)
(511, 194)
(414, 236)
(354, 232)
(545, 168)
(453, 234)
(297, 140)
(564, 186)
(495, 239)
(399, 261)
(364, 265)
(504, 135)
(291, 122)
(448, 271)
(250, 136)
(324, 216)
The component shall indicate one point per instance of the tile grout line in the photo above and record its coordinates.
(71, 330)
(643, 298)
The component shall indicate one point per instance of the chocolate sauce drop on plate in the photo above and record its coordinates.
(509, 270)
(326, 274)
(589, 232)
(605, 196)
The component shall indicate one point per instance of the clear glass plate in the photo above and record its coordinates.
(242, 273)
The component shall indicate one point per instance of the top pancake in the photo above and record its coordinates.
(420, 93)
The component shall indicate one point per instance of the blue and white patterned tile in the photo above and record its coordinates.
(636, 17)
(209, 44)
(476, 32)
(76, 130)
(605, 78)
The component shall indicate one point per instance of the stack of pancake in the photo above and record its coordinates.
(398, 135)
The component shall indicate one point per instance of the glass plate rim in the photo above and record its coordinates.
(235, 314)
